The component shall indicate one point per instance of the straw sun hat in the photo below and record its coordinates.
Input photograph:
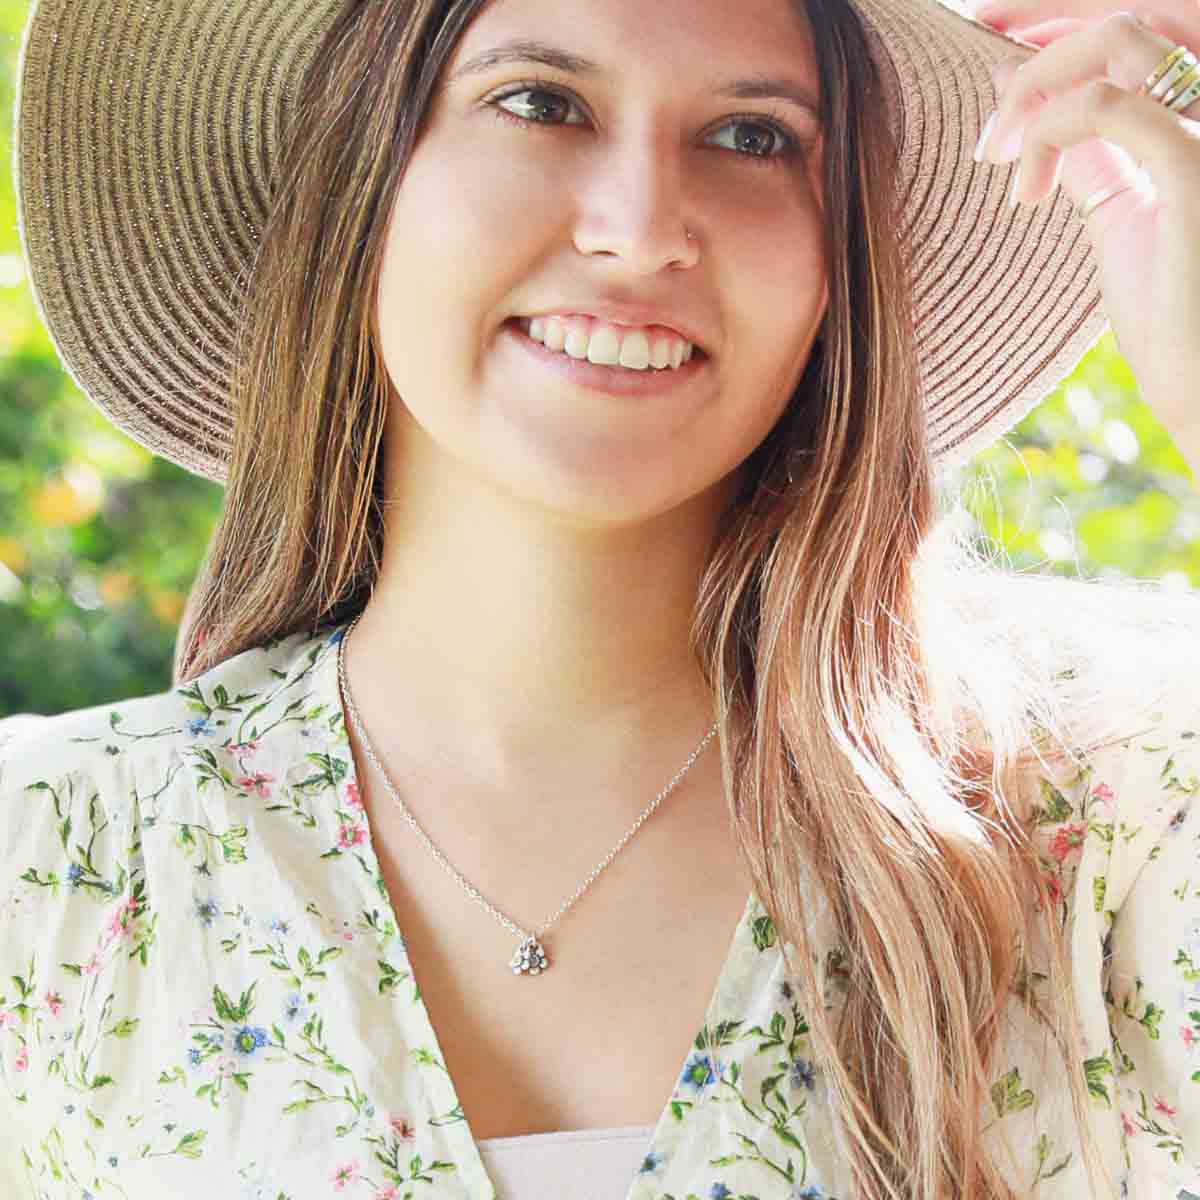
(144, 140)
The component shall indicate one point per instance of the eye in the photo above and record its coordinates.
(528, 90)
(786, 143)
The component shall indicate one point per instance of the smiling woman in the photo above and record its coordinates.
(587, 380)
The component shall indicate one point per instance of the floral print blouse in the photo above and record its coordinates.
(204, 992)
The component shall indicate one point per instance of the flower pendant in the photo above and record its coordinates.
(530, 958)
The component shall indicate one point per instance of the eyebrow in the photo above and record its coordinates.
(758, 87)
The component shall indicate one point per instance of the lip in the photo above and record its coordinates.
(616, 381)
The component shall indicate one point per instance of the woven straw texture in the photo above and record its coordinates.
(143, 143)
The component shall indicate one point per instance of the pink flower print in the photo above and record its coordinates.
(401, 1128)
(353, 795)
(1103, 793)
(1066, 840)
(53, 1002)
(1160, 1105)
(345, 1174)
(120, 921)
(1129, 1127)
(7, 1018)
(198, 1017)
(1053, 891)
(389, 1193)
(1189, 1037)
(257, 783)
(92, 966)
(244, 747)
(21, 1062)
(352, 835)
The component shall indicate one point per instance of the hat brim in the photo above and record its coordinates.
(143, 144)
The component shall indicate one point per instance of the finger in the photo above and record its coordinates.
(1016, 17)
(1100, 109)
(1120, 48)
(1014, 14)
(1046, 32)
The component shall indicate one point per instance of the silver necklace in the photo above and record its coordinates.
(530, 957)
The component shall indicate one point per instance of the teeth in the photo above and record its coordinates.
(596, 342)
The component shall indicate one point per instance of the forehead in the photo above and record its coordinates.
(688, 41)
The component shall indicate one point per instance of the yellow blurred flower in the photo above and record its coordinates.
(167, 605)
(117, 587)
(13, 555)
(71, 499)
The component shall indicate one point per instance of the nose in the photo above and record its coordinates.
(633, 207)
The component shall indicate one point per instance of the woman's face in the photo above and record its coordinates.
(585, 204)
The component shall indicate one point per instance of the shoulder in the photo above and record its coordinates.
(1143, 784)
(208, 709)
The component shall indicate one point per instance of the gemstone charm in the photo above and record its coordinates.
(530, 958)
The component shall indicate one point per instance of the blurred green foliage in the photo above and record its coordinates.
(100, 540)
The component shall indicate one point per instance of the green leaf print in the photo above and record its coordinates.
(191, 1145)
(1008, 1096)
(1187, 968)
(762, 929)
(1056, 807)
(1042, 1152)
(1150, 1016)
(1093, 1070)
(227, 1011)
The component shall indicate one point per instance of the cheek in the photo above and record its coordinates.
(445, 268)
(779, 286)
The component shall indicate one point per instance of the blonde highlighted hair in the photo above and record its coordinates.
(881, 682)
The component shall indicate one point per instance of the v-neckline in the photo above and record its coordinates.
(474, 1161)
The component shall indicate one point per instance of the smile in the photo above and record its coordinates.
(615, 380)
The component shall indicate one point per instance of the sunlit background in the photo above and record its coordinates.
(100, 541)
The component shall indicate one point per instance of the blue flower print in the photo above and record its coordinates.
(200, 725)
(719, 1191)
(74, 872)
(207, 1045)
(653, 1160)
(808, 1192)
(294, 1006)
(249, 1038)
(207, 910)
(698, 1072)
(801, 1074)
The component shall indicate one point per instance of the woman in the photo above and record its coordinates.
(592, 395)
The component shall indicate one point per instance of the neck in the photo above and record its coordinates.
(511, 650)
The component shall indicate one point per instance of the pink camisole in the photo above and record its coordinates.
(574, 1164)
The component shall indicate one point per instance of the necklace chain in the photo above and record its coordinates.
(530, 957)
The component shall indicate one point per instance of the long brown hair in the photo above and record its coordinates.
(881, 681)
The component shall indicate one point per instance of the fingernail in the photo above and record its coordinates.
(1010, 145)
(992, 14)
(983, 137)
(1016, 182)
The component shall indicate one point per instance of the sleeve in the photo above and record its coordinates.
(43, 928)
(1152, 953)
